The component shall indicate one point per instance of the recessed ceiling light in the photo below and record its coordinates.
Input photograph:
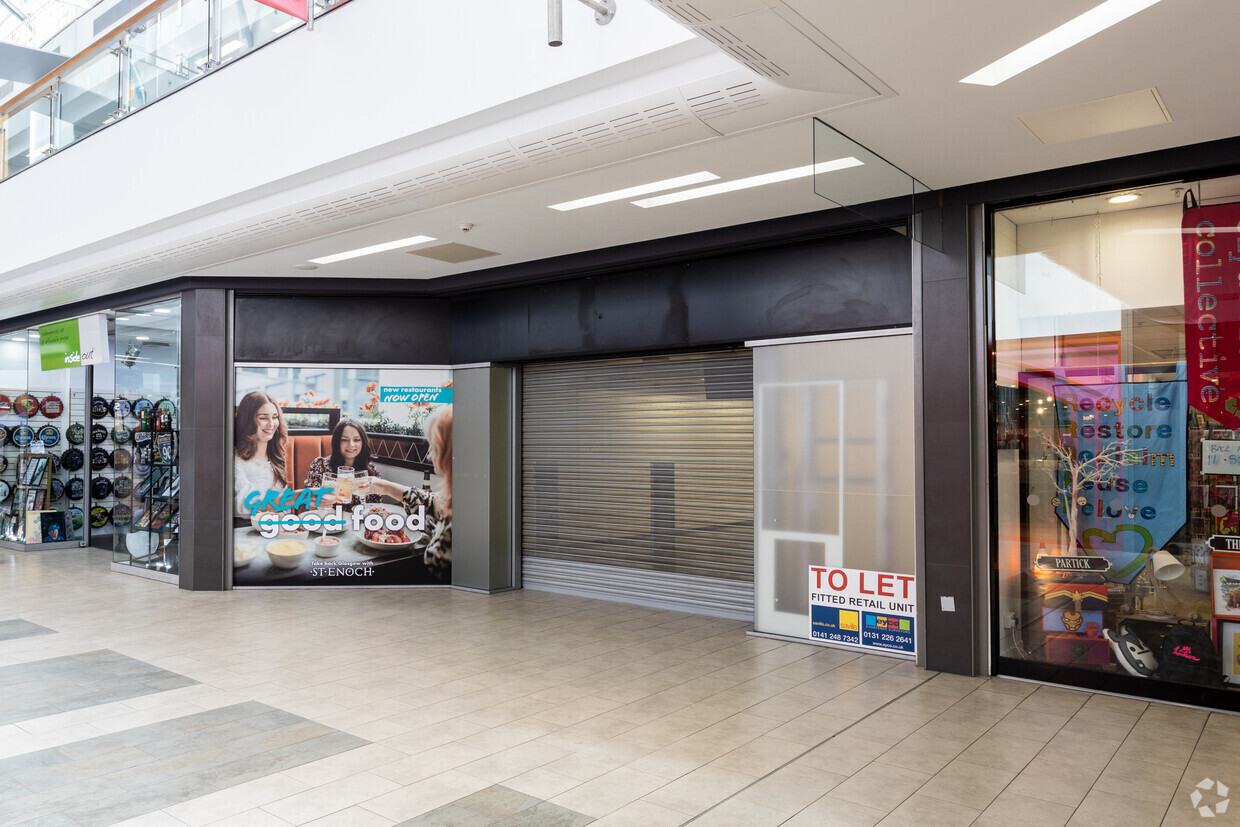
(377, 248)
(754, 181)
(144, 338)
(633, 192)
(1123, 198)
(305, 266)
(1079, 28)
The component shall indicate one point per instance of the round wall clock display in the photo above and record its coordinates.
(101, 488)
(73, 459)
(120, 435)
(55, 463)
(76, 489)
(142, 406)
(4, 464)
(25, 405)
(76, 433)
(23, 436)
(98, 408)
(121, 516)
(75, 517)
(121, 459)
(122, 487)
(98, 434)
(58, 489)
(5, 491)
(121, 407)
(99, 459)
(52, 406)
(4, 434)
(6, 404)
(99, 517)
(49, 435)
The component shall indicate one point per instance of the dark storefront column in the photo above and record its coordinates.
(948, 478)
(204, 412)
(483, 487)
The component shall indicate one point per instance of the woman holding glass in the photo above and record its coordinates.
(351, 451)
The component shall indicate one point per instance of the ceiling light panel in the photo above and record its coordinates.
(377, 248)
(753, 181)
(633, 192)
(1077, 29)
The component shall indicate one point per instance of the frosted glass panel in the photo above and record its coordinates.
(833, 440)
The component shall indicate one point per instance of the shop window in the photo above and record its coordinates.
(134, 464)
(1116, 437)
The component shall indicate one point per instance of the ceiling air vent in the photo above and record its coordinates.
(727, 101)
(776, 42)
(453, 253)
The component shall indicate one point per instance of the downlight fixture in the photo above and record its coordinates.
(1123, 198)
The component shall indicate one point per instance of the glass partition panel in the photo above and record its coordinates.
(871, 187)
(833, 434)
(89, 97)
(1115, 413)
(247, 24)
(167, 51)
(27, 132)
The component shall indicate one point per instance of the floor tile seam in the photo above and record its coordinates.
(1046, 745)
(810, 749)
(1183, 772)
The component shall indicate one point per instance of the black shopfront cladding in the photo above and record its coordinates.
(671, 330)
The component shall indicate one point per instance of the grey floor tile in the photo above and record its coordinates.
(64, 684)
(13, 629)
(545, 814)
(450, 815)
(498, 802)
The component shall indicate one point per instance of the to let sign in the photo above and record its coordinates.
(870, 609)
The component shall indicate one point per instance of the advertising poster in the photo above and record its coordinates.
(1212, 310)
(1121, 451)
(869, 609)
(342, 477)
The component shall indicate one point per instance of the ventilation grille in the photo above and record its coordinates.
(727, 101)
(722, 37)
(685, 13)
(659, 118)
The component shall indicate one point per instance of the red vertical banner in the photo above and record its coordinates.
(297, 8)
(1211, 243)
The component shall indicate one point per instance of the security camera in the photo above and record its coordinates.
(465, 226)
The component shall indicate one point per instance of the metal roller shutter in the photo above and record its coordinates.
(637, 480)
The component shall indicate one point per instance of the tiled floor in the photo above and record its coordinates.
(437, 707)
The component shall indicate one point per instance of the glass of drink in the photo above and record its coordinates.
(344, 483)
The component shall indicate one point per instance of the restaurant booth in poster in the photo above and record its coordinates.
(342, 477)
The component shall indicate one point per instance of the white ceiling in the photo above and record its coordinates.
(941, 131)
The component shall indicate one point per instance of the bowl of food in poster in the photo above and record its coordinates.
(245, 551)
(267, 517)
(326, 546)
(287, 553)
(387, 539)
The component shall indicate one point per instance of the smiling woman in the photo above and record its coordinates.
(259, 464)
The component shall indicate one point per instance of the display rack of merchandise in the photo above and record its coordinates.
(149, 522)
(32, 494)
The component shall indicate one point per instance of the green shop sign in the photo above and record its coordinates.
(74, 342)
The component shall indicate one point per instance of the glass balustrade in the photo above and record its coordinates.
(168, 46)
